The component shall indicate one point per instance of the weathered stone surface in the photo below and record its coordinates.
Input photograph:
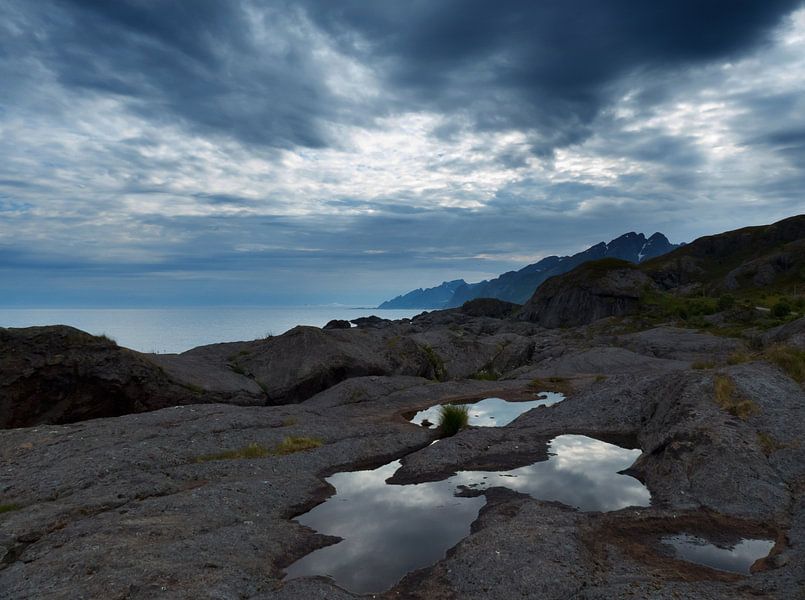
(680, 344)
(337, 324)
(121, 508)
(59, 374)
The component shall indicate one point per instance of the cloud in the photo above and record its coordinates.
(226, 68)
(545, 68)
(350, 151)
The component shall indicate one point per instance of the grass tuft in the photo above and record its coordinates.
(288, 445)
(790, 360)
(727, 397)
(702, 364)
(738, 357)
(437, 364)
(237, 368)
(253, 450)
(296, 444)
(6, 508)
(453, 418)
(767, 443)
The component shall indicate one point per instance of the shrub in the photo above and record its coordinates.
(453, 418)
(726, 302)
(781, 309)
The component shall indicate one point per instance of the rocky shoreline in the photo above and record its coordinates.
(127, 506)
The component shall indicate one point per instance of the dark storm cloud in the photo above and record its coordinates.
(202, 62)
(544, 67)
(547, 68)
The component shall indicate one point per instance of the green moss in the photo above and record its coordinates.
(6, 508)
(703, 364)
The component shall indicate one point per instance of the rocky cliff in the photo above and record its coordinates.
(604, 288)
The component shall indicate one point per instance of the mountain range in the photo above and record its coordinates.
(518, 286)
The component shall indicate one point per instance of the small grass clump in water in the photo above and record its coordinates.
(453, 418)
(288, 445)
(727, 398)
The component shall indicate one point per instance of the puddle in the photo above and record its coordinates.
(491, 412)
(390, 530)
(737, 559)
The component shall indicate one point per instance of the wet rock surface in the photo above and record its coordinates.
(149, 505)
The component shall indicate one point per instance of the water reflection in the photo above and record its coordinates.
(581, 472)
(737, 559)
(390, 530)
(491, 412)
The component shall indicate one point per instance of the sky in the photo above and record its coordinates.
(199, 152)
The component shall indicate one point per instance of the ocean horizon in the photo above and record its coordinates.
(177, 329)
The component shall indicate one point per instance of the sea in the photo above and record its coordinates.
(173, 330)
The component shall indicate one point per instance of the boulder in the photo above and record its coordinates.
(58, 374)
